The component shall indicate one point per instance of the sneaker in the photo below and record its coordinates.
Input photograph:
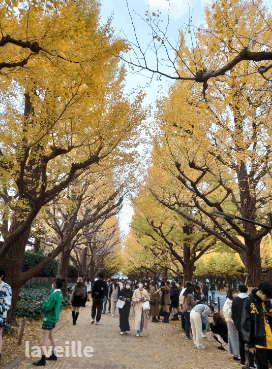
(96, 323)
(242, 362)
(203, 335)
(139, 335)
(122, 332)
(220, 348)
(249, 367)
(112, 314)
(93, 320)
(188, 338)
(200, 347)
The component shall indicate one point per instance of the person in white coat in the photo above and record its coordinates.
(233, 337)
(198, 314)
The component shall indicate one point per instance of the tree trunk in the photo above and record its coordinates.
(63, 267)
(164, 274)
(253, 264)
(12, 263)
(188, 268)
(37, 245)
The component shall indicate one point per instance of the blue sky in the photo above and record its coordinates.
(179, 13)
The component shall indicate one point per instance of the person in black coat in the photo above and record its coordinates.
(99, 290)
(125, 295)
(257, 324)
(174, 296)
(238, 307)
(219, 327)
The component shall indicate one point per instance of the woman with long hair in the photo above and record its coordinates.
(154, 302)
(219, 327)
(78, 298)
(187, 306)
(233, 336)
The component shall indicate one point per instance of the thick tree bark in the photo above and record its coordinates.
(253, 263)
(37, 245)
(12, 263)
(63, 266)
(164, 274)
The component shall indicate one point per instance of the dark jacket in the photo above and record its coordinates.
(253, 329)
(127, 295)
(237, 309)
(197, 296)
(205, 289)
(221, 329)
(100, 289)
(174, 295)
(213, 288)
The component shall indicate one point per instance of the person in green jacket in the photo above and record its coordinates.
(51, 309)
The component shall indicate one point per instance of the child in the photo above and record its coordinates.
(51, 310)
(5, 304)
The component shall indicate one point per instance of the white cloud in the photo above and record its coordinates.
(176, 7)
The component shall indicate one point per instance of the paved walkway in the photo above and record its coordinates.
(162, 346)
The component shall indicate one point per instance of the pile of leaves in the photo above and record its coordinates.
(33, 293)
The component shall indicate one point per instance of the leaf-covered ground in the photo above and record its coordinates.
(162, 346)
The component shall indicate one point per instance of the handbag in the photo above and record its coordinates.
(146, 305)
(120, 304)
(152, 302)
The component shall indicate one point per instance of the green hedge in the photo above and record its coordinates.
(33, 293)
(31, 260)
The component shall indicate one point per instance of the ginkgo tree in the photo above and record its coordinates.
(217, 147)
(161, 56)
(62, 113)
(174, 243)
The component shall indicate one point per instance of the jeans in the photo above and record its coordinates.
(142, 324)
(213, 296)
(105, 304)
(206, 296)
(183, 321)
(206, 322)
(187, 323)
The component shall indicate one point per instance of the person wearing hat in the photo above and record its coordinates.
(77, 298)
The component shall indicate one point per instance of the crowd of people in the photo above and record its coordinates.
(246, 319)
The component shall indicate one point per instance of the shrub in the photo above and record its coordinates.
(31, 260)
(72, 271)
(33, 293)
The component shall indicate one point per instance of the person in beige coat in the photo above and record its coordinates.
(113, 294)
(141, 316)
